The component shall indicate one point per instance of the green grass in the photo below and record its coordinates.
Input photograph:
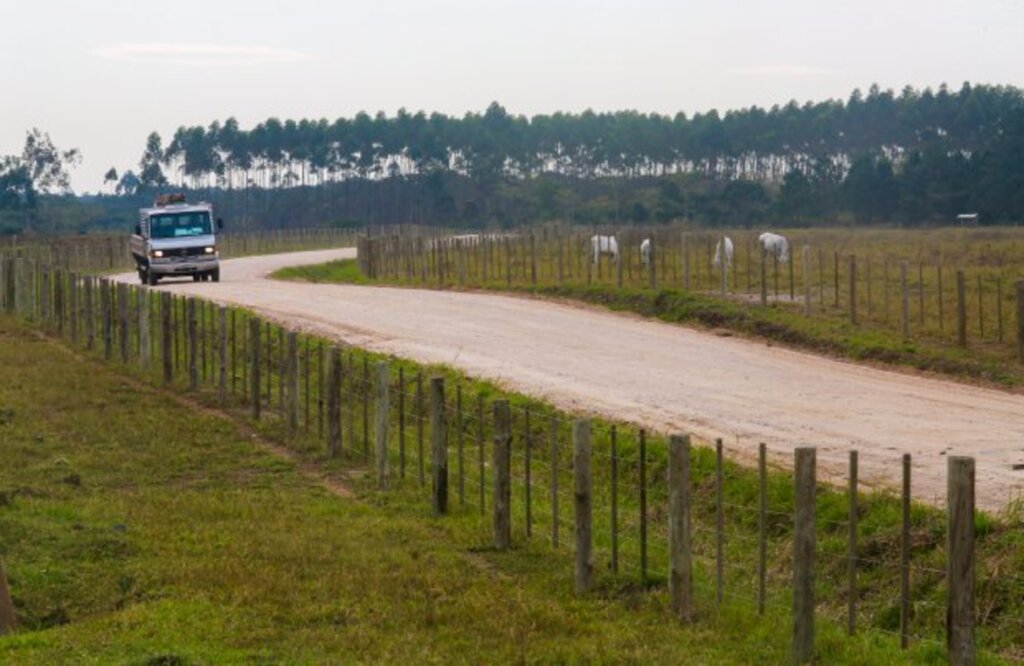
(136, 530)
(829, 333)
(1001, 551)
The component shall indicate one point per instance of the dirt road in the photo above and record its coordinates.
(664, 376)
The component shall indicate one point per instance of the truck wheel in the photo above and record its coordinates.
(215, 275)
(196, 277)
(151, 278)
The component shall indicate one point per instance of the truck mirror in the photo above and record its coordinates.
(138, 229)
(220, 223)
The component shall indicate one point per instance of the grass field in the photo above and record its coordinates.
(991, 260)
(160, 479)
(136, 530)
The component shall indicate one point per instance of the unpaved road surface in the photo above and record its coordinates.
(665, 376)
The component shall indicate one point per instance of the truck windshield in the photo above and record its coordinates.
(179, 225)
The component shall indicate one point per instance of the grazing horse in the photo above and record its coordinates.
(727, 258)
(603, 245)
(775, 245)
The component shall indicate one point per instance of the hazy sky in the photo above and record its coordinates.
(101, 74)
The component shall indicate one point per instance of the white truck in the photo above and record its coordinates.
(176, 238)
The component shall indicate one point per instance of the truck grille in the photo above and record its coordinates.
(185, 252)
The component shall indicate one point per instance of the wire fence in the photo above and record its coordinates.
(953, 288)
(94, 253)
(631, 506)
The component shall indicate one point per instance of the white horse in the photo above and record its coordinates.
(603, 245)
(728, 252)
(775, 245)
(645, 252)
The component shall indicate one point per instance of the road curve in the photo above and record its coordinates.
(667, 377)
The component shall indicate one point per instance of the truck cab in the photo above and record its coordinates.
(175, 238)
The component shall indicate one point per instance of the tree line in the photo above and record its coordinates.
(916, 157)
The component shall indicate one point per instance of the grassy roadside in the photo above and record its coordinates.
(136, 530)
(780, 322)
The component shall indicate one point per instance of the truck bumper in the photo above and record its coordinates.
(183, 266)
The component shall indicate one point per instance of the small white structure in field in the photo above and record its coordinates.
(645, 252)
(967, 219)
(775, 245)
(728, 252)
(600, 245)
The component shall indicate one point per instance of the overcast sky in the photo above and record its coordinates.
(100, 75)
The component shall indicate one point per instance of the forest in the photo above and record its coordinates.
(913, 158)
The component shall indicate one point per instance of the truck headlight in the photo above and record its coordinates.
(210, 249)
(156, 253)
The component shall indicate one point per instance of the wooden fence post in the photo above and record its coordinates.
(321, 390)
(764, 276)
(438, 447)
(481, 455)
(381, 426)
(553, 441)
(292, 382)
(282, 373)
(502, 482)
(123, 331)
(90, 314)
(960, 561)
(614, 481)
(905, 555)
(59, 298)
(961, 310)
(652, 271)
(680, 576)
(460, 444)
(851, 552)
(165, 337)
(145, 340)
(8, 619)
(719, 522)
(803, 556)
(533, 259)
(853, 289)
(222, 349)
(807, 279)
(904, 302)
(254, 371)
(618, 269)
(835, 279)
(582, 505)
(686, 262)
(560, 267)
(333, 402)
(367, 394)
(762, 525)
(193, 345)
(401, 422)
(419, 429)
(942, 317)
(1020, 320)
(999, 308)
(867, 284)
(722, 269)
(981, 308)
(108, 324)
(642, 478)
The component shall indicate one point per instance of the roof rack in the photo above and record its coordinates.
(168, 199)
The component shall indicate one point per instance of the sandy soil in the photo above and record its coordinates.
(668, 377)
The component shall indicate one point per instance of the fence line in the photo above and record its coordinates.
(979, 310)
(689, 519)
